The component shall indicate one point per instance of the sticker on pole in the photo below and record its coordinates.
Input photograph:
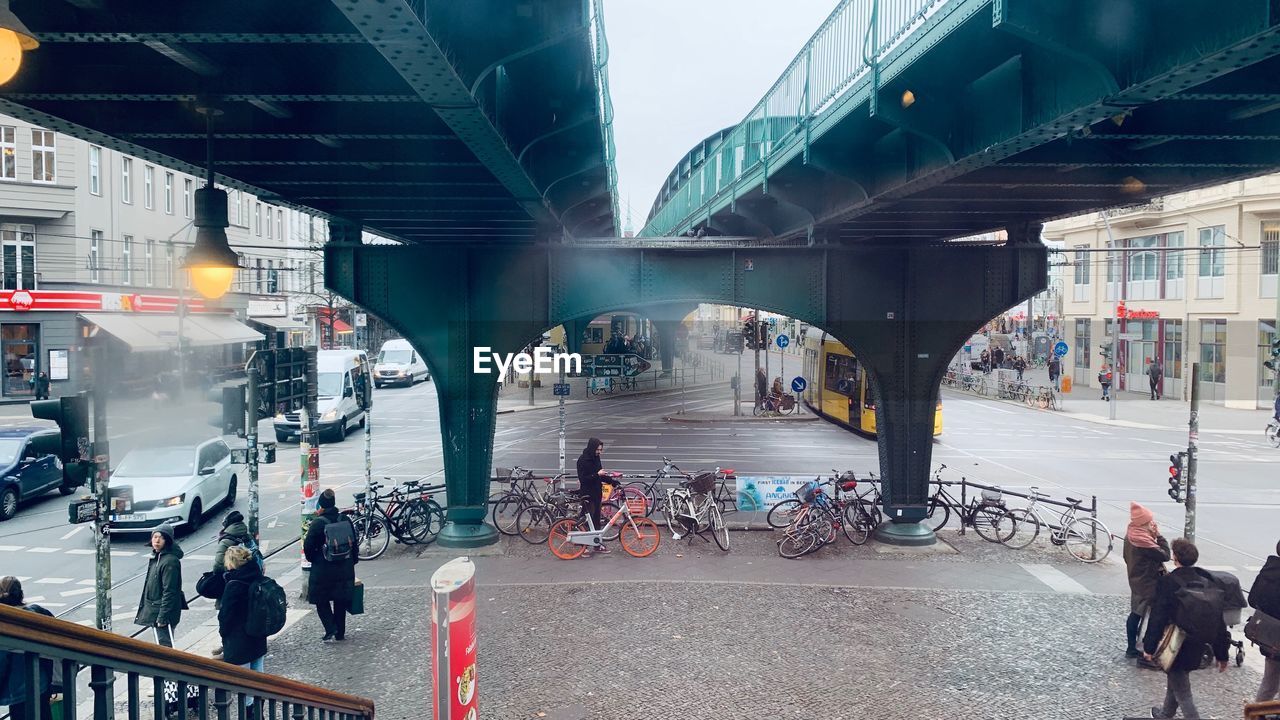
(560, 389)
(783, 341)
(798, 384)
(1060, 348)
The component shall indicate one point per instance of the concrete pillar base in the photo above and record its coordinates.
(468, 535)
(905, 533)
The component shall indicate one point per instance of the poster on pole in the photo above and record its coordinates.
(453, 641)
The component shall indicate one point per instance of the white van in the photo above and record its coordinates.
(342, 390)
(399, 363)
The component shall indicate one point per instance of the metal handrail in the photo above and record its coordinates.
(830, 63)
(73, 646)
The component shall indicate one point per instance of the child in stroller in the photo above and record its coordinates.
(1233, 603)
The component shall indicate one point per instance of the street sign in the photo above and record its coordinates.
(616, 365)
(773, 322)
(783, 341)
(83, 510)
(362, 319)
(1060, 349)
(798, 384)
(560, 389)
(1131, 336)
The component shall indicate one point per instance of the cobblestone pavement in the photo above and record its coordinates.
(691, 650)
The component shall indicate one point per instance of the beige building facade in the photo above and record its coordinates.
(1187, 278)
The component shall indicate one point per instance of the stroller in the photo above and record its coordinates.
(1233, 607)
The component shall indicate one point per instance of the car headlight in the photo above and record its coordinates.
(329, 416)
(279, 416)
(174, 501)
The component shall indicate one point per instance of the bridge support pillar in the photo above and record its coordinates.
(666, 330)
(573, 332)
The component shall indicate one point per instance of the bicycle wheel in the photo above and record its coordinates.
(558, 539)
(427, 521)
(650, 497)
(742, 502)
(534, 523)
(505, 511)
(640, 537)
(782, 514)
(1043, 401)
(672, 510)
(1273, 434)
(719, 530)
(373, 535)
(857, 524)
(993, 523)
(796, 542)
(608, 510)
(1026, 528)
(940, 512)
(1079, 537)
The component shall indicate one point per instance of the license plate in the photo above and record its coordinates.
(128, 518)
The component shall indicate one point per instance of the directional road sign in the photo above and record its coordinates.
(621, 365)
(798, 384)
(1060, 349)
(783, 341)
(560, 389)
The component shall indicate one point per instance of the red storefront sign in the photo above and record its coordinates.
(1124, 313)
(453, 641)
(76, 301)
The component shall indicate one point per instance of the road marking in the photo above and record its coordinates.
(72, 533)
(80, 551)
(273, 523)
(1056, 579)
(54, 581)
(11, 548)
(123, 553)
(1220, 568)
(199, 557)
(81, 591)
(42, 550)
(37, 598)
(87, 582)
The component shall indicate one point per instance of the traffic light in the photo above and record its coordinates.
(750, 335)
(1175, 476)
(763, 341)
(1104, 349)
(1274, 363)
(71, 413)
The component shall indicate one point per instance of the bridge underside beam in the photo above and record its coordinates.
(904, 312)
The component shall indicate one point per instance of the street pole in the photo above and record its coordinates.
(251, 441)
(737, 391)
(1193, 450)
(101, 480)
(182, 358)
(755, 392)
(368, 445)
(561, 399)
(1115, 318)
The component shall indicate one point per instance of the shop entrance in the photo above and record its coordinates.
(20, 344)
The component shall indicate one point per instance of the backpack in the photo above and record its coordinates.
(1265, 593)
(267, 606)
(339, 540)
(1198, 608)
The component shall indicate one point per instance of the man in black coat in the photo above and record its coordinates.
(1265, 597)
(1163, 610)
(590, 474)
(331, 581)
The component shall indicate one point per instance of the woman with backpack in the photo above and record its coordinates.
(1264, 597)
(239, 647)
(331, 549)
(13, 669)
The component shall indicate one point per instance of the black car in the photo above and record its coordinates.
(29, 466)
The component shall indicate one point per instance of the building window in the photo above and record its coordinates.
(186, 197)
(270, 213)
(1266, 380)
(151, 262)
(280, 223)
(20, 343)
(19, 256)
(1174, 270)
(95, 170)
(1213, 351)
(257, 281)
(1173, 348)
(95, 247)
(1143, 269)
(257, 219)
(311, 277)
(1082, 265)
(148, 187)
(1211, 282)
(168, 261)
(168, 193)
(273, 278)
(127, 254)
(1270, 257)
(1083, 343)
(9, 150)
(44, 159)
(126, 180)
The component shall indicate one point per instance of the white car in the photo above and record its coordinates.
(177, 485)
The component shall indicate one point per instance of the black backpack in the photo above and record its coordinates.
(339, 540)
(267, 608)
(1198, 608)
(1265, 593)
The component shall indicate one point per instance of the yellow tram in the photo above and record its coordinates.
(839, 387)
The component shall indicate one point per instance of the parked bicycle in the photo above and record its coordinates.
(1086, 538)
(409, 514)
(571, 537)
(1273, 432)
(783, 514)
(522, 493)
(1045, 398)
(692, 510)
(814, 524)
(988, 516)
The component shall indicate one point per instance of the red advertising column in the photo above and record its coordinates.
(453, 641)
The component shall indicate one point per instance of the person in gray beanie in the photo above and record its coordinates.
(162, 603)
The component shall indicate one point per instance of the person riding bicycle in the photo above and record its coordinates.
(591, 474)
(1276, 414)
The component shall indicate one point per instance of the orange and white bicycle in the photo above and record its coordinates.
(571, 537)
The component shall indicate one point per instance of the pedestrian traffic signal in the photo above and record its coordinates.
(71, 413)
(1104, 349)
(1175, 476)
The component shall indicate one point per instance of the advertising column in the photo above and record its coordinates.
(453, 641)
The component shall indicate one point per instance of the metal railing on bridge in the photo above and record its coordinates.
(41, 641)
(848, 44)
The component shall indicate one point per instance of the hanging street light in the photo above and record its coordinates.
(211, 262)
(15, 39)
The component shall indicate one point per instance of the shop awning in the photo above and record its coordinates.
(279, 323)
(149, 333)
(341, 327)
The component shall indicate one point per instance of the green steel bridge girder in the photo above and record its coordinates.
(903, 310)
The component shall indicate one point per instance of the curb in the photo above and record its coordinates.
(633, 393)
(743, 419)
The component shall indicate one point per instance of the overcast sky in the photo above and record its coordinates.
(680, 70)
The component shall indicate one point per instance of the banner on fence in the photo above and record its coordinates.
(769, 490)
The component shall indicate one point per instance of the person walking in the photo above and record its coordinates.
(40, 385)
(238, 646)
(1145, 553)
(1055, 371)
(1155, 374)
(13, 667)
(331, 549)
(1104, 379)
(985, 360)
(997, 357)
(1164, 609)
(161, 604)
(590, 474)
(1264, 597)
(234, 532)
(1019, 364)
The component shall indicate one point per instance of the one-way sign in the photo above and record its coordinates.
(628, 365)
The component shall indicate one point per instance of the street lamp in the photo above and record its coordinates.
(211, 262)
(14, 39)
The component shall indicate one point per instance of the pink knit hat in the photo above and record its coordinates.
(1139, 515)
